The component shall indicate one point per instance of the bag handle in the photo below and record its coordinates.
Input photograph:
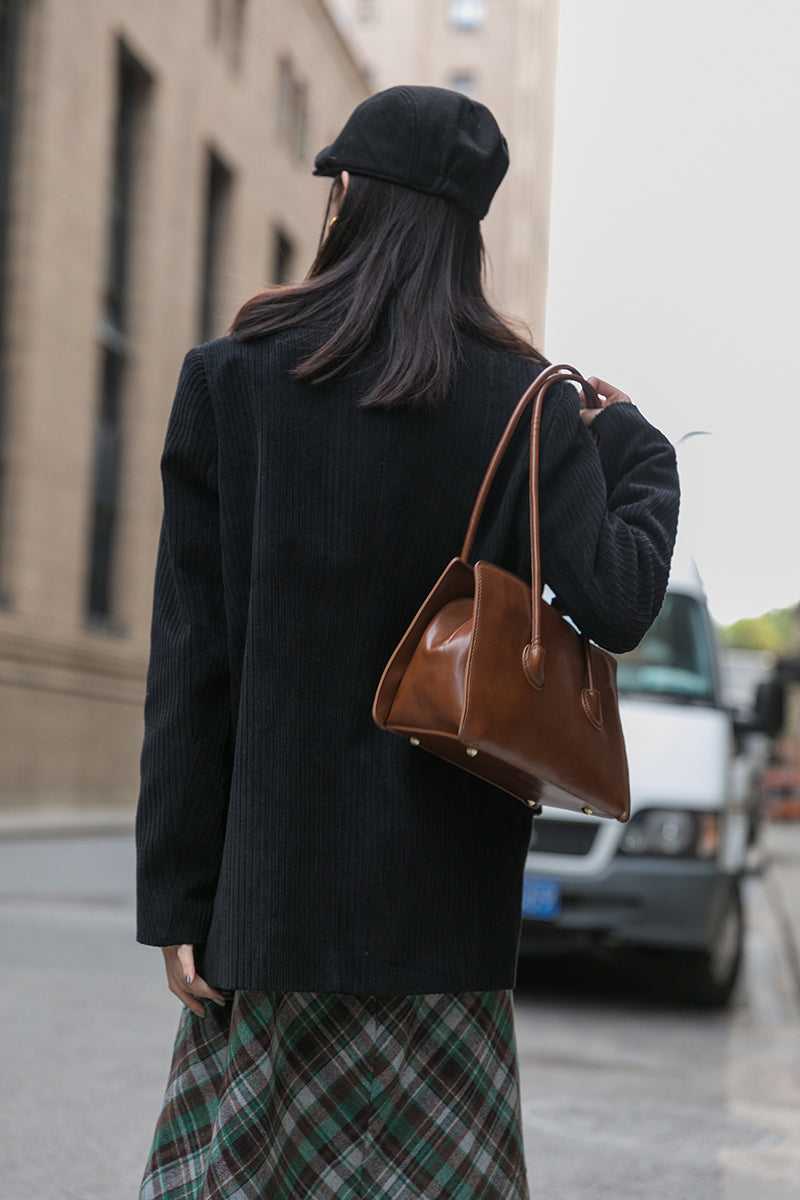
(533, 656)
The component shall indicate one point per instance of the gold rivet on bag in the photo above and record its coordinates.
(414, 741)
(471, 752)
(589, 812)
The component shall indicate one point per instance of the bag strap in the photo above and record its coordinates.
(533, 657)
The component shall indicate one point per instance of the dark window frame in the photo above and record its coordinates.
(218, 198)
(134, 93)
(12, 17)
(227, 20)
(292, 110)
(215, 20)
(283, 252)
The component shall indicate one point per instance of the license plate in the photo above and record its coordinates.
(541, 898)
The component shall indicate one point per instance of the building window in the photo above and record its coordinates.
(282, 257)
(237, 24)
(215, 20)
(300, 122)
(132, 94)
(216, 225)
(11, 37)
(283, 109)
(108, 447)
(466, 83)
(226, 21)
(292, 114)
(134, 87)
(467, 15)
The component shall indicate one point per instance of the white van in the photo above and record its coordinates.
(669, 880)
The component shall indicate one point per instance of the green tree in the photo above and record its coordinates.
(776, 631)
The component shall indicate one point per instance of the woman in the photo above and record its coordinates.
(338, 912)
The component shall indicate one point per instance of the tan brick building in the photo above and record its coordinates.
(154, 171)
(502, 52)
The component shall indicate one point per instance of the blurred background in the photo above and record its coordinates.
(155, 171)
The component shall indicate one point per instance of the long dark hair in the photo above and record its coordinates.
(399, 267)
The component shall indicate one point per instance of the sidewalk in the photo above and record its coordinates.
(780, 844)
(19, 825)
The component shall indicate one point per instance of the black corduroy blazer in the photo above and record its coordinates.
(298, 846)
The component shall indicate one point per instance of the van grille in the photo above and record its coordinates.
(563, 837)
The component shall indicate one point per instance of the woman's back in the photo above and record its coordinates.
(351, 862)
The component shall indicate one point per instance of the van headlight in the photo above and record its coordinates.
(672, 833)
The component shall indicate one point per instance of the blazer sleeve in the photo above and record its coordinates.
(609, 512)
(186, 756)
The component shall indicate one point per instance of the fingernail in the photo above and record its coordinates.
(219, 1003)
(187, 980)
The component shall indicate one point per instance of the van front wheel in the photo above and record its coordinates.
(708, 977)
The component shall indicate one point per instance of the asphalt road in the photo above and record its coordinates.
(624, 1095)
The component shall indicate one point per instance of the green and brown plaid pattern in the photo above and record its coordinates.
(297, 1095)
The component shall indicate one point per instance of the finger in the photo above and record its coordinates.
(607, 392)
(589, 414)
(178, 987)
(204, 991)
(185, 996)
(193, 982)
(193, 997)
(177, 974)
(184, 981)
(186, 960)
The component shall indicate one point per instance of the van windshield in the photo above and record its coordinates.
(674, 659)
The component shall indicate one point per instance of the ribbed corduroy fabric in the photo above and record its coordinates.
(296, 845)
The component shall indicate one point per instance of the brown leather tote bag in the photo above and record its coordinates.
(492, 678)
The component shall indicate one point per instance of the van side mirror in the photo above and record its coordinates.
(769, 709)
(766, 716)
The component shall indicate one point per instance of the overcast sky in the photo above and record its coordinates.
(674, 268)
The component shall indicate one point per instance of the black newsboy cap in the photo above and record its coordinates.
(426, 138)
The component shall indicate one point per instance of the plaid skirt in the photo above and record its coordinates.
(285, 1095)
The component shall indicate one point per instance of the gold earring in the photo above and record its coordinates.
(331, 223)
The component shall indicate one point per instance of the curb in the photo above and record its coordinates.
(782, 886)
(23, 825)
(788, 934)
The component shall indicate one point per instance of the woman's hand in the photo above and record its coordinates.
(184, 981)
(608, 395)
